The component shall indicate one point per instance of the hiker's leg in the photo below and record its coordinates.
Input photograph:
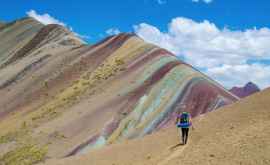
(183, 135)
(187, 129)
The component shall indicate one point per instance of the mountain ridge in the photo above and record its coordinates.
(71, 98)
(248, 89)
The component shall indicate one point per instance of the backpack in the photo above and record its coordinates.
(184, 120)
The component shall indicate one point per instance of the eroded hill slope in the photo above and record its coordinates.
(236, 134)
(63, 97)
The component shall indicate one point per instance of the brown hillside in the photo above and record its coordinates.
(235, 134)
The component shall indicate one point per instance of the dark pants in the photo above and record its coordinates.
(185, 135)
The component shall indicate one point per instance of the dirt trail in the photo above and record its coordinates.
(173, 155)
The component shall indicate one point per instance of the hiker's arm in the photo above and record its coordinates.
(177, 119)
(192, 125)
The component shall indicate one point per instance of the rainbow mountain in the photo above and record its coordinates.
(62, 97)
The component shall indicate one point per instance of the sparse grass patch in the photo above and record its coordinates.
(70, 95)
(24, 155)
(46, 84)
(49, 113)
(58, 135)
(9, 137)
(13, 136)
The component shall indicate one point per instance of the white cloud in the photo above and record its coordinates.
(44, 18)
(113, 31)
(205, 1)
(229, 74)
(47, 19)
(209, 48)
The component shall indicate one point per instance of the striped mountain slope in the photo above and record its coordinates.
(232, 135)
(16, 35)
(62, 97)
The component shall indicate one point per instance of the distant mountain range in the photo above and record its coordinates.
(61, 97)
(249, 89)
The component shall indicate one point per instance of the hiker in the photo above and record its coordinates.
(183, 121)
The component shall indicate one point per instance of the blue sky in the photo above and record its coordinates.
(93, 17)
(223, 38)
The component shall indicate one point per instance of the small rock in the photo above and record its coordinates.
(212, 155)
